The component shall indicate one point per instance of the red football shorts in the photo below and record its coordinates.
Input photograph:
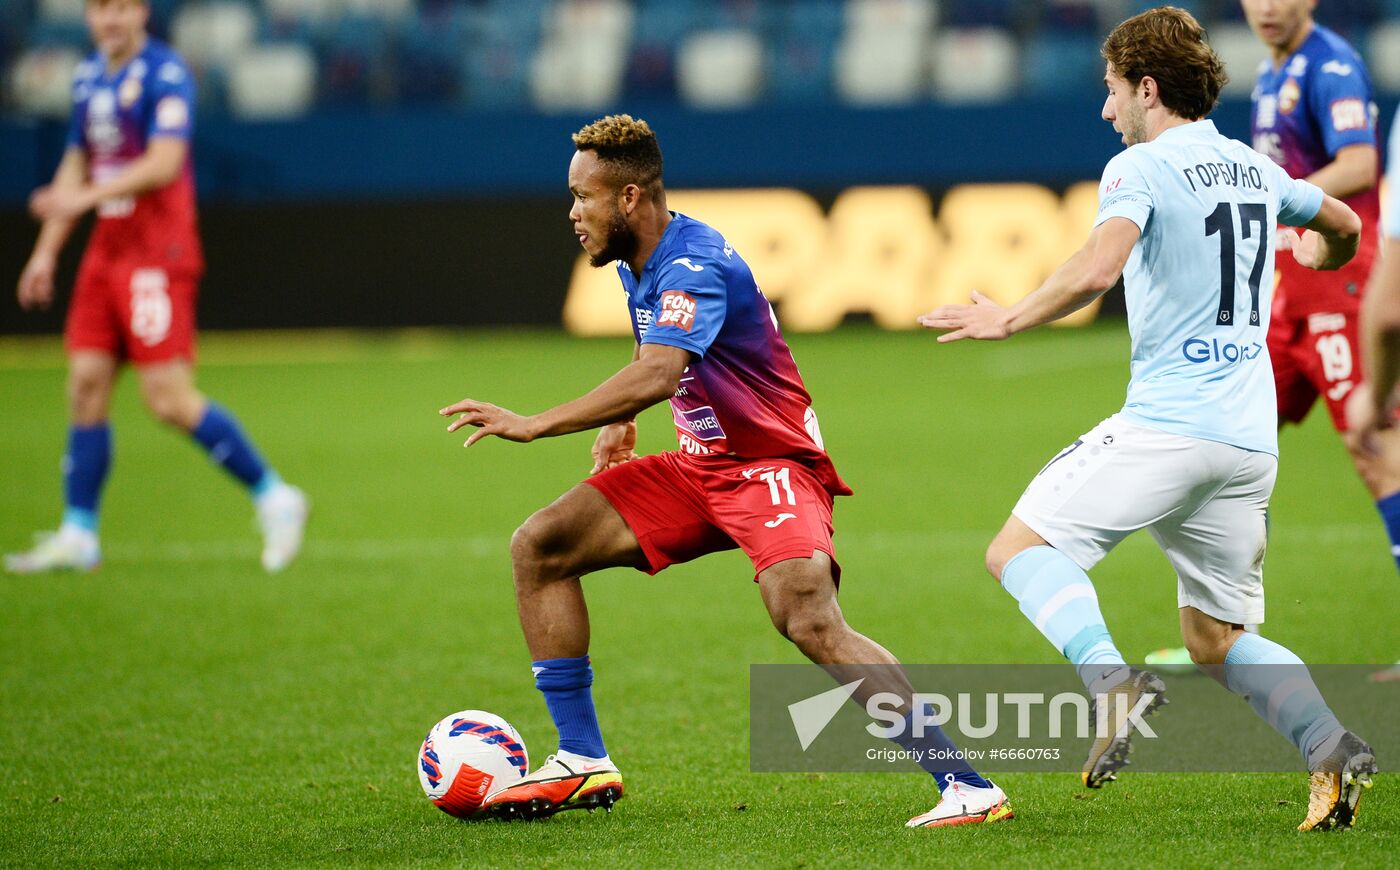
(681, 508)
(1315, 355)
(144, 314)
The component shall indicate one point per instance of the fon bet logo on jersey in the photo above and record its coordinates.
(677, 309)
(1349, 114)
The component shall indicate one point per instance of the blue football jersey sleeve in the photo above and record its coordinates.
(1124, 191)
(1341, 103)
(692, 304)
(172, 101)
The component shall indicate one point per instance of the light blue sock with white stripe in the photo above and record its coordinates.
(1059, 599)
(1278, 686)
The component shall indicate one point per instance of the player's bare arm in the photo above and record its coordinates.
(157, 166)
(1372, 404)
(1355, 169)
(1084, 277)
(616, 442)
(1331, 237)
(36, 281)
(651, 378)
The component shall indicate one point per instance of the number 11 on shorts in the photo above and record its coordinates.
(773, 478)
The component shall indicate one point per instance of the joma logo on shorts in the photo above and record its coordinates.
(1198, 350)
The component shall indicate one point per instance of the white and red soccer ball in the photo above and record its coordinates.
(468, 756)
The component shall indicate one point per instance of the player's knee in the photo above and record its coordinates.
(998, 554)
(87, 391)
(812, 622)
(535, 548)
(1209, 647)
(167, 407)
(811, 629)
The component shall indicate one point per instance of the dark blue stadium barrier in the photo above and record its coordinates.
(434, 219)
(432, 153)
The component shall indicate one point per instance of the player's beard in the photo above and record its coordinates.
(620, 242)
(1135, 124)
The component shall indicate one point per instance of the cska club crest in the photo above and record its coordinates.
(1288, 96)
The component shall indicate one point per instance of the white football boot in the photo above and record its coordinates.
(68, 549)
(564, 782)
(965, 805)
(282, 513)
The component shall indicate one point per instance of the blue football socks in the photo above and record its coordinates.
(1059, 599)
(1278, 686)
(85, 468)
(566, 684)
(219, 433)
(1389, 507)
(936, 753)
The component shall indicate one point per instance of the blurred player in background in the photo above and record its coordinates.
(1315, 115)
(1188, 218)
(751, 473)
(128, 158)
(1373, 404)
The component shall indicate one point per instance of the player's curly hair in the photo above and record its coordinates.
(1169, 44)
(629, 148)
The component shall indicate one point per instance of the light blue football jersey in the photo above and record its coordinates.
(1200, 280)
(1390, 208)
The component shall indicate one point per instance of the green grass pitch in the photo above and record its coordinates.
(180, 706)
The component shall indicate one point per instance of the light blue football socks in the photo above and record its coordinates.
(1278, 686)
(1059, 599)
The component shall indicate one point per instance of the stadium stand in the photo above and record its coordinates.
(577, 55)
(720, 69)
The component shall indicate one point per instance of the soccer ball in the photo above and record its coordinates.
(468, 756)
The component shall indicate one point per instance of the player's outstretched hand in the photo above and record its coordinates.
(616, 443)
(1364, 420)
(982, 319)
(36, 283)
(489, 420)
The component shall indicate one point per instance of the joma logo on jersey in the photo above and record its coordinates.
(1198, 350)
(1349, 114)
(677, 309)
